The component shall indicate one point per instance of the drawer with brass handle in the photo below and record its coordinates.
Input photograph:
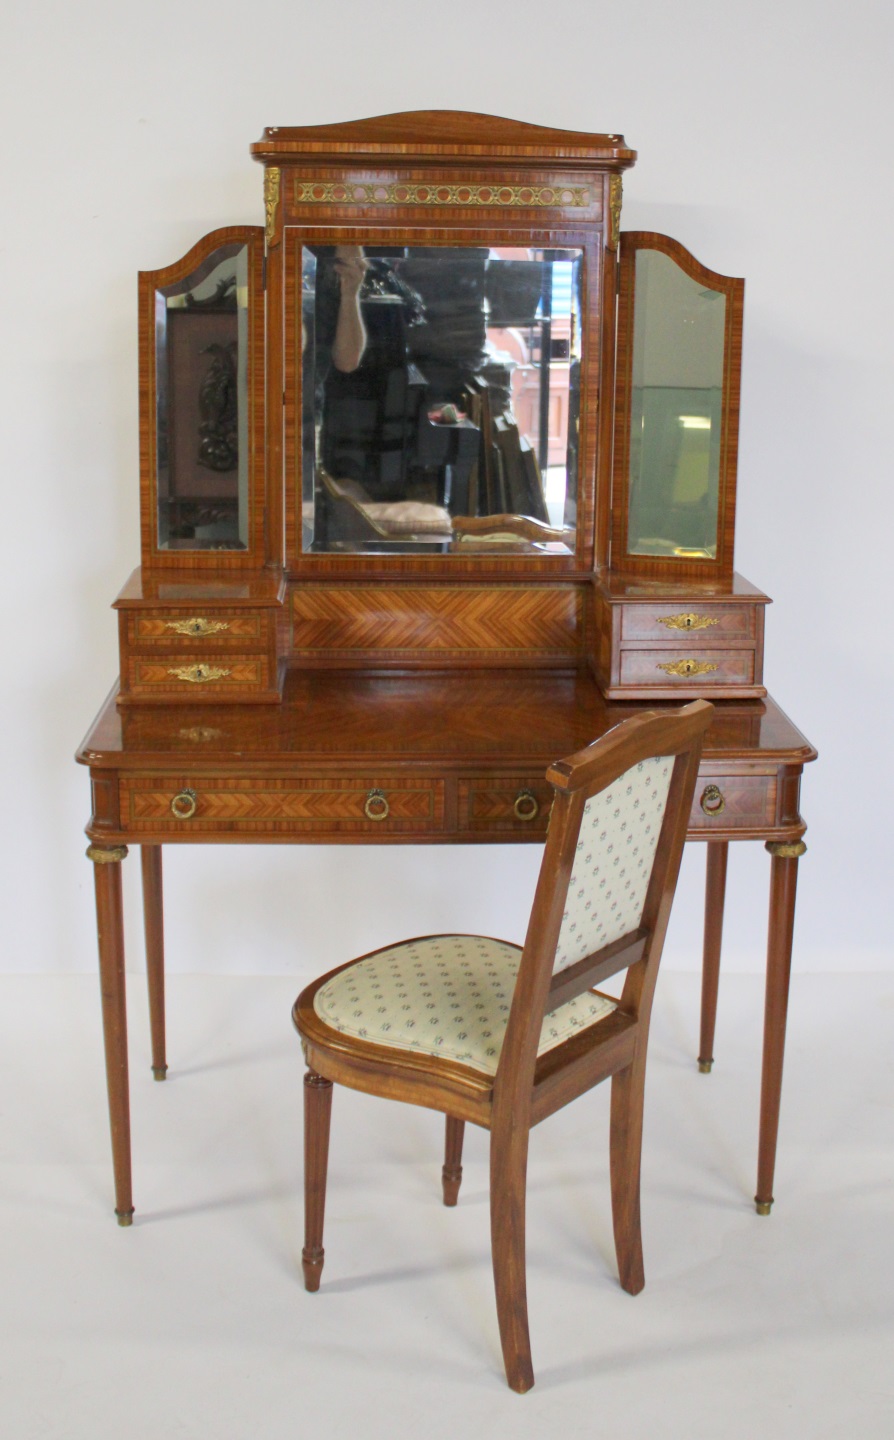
(733, 802)
(511, 804)
(183, 805)
(714, 625)
(681, 666)
(232, 629)
(163, 676)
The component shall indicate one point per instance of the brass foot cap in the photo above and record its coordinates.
(125, 1217)
(763, 1207)
(159, 1072)
(705, 1066)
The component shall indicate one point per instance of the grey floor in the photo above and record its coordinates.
(194, 1323)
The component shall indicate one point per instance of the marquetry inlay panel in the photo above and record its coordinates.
(450, 622)
(265, 806)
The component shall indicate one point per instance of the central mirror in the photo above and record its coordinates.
(440, 399)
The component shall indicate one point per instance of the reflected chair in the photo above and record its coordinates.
(503, 1037)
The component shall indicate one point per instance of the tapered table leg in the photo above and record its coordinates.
(110, 935)
(715, 895)
(783, 884)
(153, 922)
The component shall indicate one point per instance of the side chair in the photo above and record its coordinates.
(503, 1036)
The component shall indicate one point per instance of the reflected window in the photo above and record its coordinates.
(201, 334)
(440, 398)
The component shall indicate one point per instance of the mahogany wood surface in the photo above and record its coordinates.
(441, 135)
(110, 936)
(715, 895)
(153, 920)
(317, 1112)
(783, 885)
(452, 1170)
(506, 1103)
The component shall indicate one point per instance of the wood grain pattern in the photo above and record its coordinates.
(531, 624)
(442, 136)
(335, 806)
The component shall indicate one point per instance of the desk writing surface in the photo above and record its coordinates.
(332, 717)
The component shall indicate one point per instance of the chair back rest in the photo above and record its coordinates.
(613, 860)
(608, 874)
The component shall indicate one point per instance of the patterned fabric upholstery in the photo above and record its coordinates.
(613, 862)
(447, 995)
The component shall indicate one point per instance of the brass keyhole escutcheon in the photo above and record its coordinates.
(376, 806)
(712, 801)
(527, 806)
(184, 804)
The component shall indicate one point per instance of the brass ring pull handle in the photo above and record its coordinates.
(527, 806)
(184, 804)
(712, 801)
(376, 806)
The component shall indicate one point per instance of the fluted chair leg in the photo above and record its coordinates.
(508, 1178)
(625, 1144)
(317, 1112)
(452, 1170)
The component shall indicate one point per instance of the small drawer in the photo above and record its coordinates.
(513, 804)
(183, 806)
(684, 666)
(715, 625)
(733, 802)
(195, 676)
(237, 629)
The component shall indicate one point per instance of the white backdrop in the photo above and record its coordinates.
(764, 134)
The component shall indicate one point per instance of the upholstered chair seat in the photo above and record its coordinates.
(445, 995)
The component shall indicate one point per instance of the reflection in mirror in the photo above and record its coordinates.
(201, 356)
(678, 352)
(441, 398)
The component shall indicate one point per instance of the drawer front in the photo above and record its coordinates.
(194, 676)
(199, 629)
(684, 665)
(733, 802)
(714, 625)
(514, 804)
(183, 806)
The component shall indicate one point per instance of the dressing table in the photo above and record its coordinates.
(438, 474)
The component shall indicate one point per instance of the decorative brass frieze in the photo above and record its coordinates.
(687, 621)
(615, 195)
(197, 626)
(786, 849)
(349, 192)
(199, 674)
(106, 854)
(271, 199)
(687, 667)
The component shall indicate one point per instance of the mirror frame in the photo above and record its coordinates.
(155, 556)
(720, 568)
